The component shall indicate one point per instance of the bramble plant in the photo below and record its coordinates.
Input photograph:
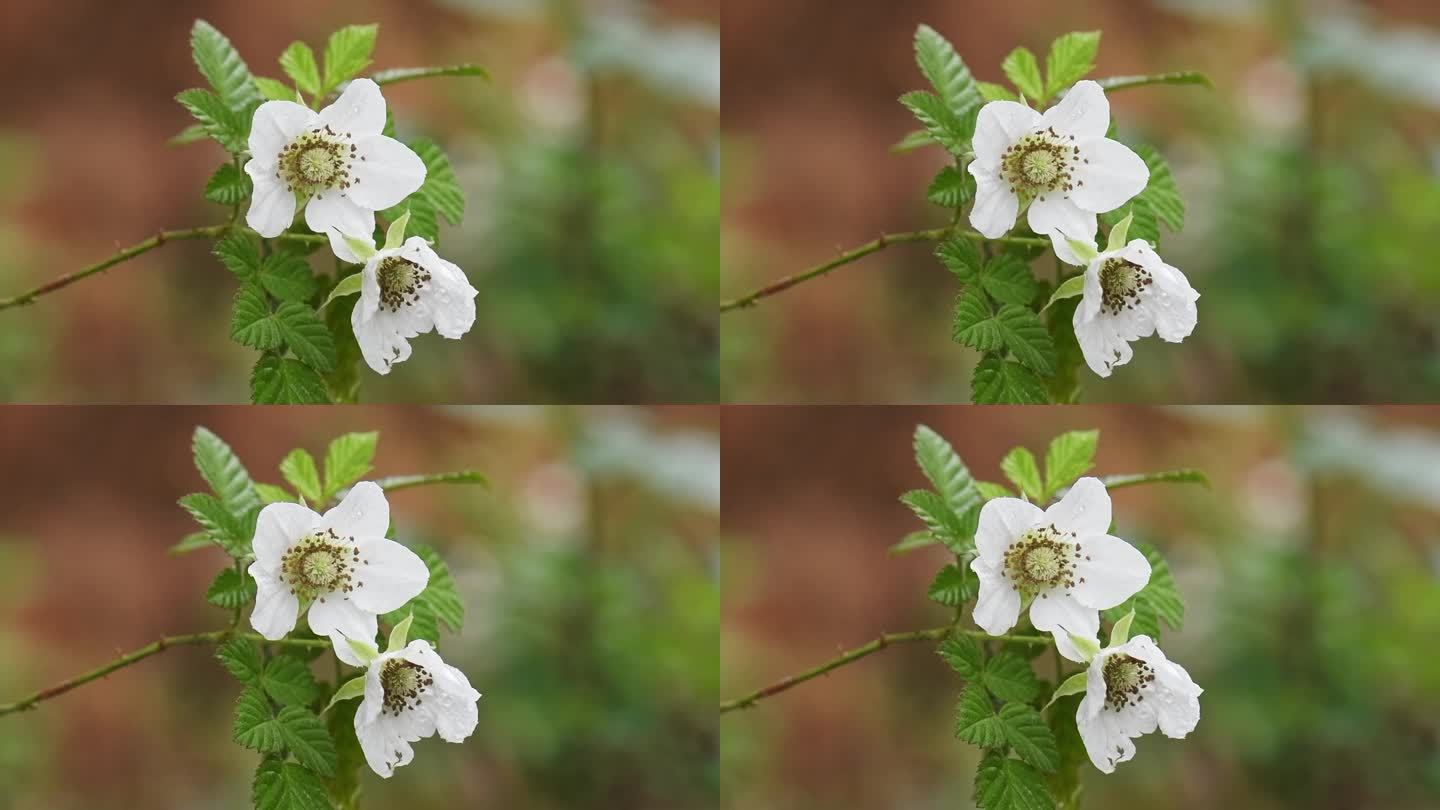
(1065, 172)
(341, 569)
(1057, 572)
(342, 165)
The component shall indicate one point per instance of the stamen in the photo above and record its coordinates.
(1125, 677)
(401, 282)
(318, 565)
(1041, 560)
(405, 685)
(1038, 163)
(316, 161)
(1121, 285)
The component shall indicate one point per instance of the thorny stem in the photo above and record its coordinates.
(885, 240)
(192, 639)
(207, 232)
(933, 634)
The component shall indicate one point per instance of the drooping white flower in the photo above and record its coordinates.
(1131, 689)
(410, 694)
(340, 565)
(1059, 163)
(1061, 560)
(335, 163)
(1130, 293)
(406, 290)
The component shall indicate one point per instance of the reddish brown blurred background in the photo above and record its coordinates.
(1311, 572)
(587, 570)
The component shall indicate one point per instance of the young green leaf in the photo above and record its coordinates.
(223, 528)
(1070, 456)
(219, 121)
(289, 681)
(1007, 278)
(1027, 733)
(239, 253)
(255, 724)
(298, 62)
(228, 185)
(962, 653)
(347, 459)
(300, 471)
(287, 786)
(306, 335)
(999, 381)
(242, 659)
(1019, 466)
(269, 493)
(1009, 677)
(1071, 58)
(937, 119)
(990, 491)
(975, 720)
(223, 471)
(222, 66)
(283, 381)
(948, 527)
(950, 77)
(307, 739)
(1002, 783)
(191, 542)
(1024, 72)
(952, 587)
(961, 257)
(975, 324)
(951, 188)
(274, 89)
(346, 54)
(944, 469)
(990, 91)
(252, 323)
(1026, 337)
(908, 543)
(230, 590)
(287, 276)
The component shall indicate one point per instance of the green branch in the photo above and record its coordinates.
(193, 639)
(395, 482)
(207, 232)
(1185, 476)
(397, 75)
(1179, 77)
(885, 240)
(933, 634)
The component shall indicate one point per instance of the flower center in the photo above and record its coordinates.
(1043, 558)
(1039, 163)
(1124, 678)
(316, 161)
(320, 564)
(405, 684)
(400, 282)
(1121, 284)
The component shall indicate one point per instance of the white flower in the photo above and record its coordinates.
(1131, 689)
(336, 159)
(1130, 293)
(407, 290)
(339, 564)
(410, 694)
(1061, 560)
(1059, 163)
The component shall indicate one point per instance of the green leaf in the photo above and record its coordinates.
(307, 739)
(994, 92)
(277, 381)
(191, 134)
(1071, 59)
(1027, 338)
(961, 257)
(1002, 783)
(917, 139)
(346, 54)
(287, 786)
(274, 89)
(228, 185)
(255, 724)
(289, 681)
(1027, 733)
(947, 73)
(222, 66)
(1065, 782)
(349, 285)
(908, 543)
(975, 720)
(395, 75)
(1085, 645)
(1019, 466)
(951, 188)
(230, 590)
(999, 381)
(441, 188)
(242, 659)
(962, 653)
(1182, 476)
(269, 493)
(222, 527)
(1070, 288)
(1070, 456)
(347, 459)
(1008, 279)
(298, 62)
(937, 515)
(299, 470)
(990, 491)
(439, 602)
(240, 255)
(1161, 193)
(937, 119)
(219, 121)
(191, 542)
(306, 335)
(1159, 600)
(252, 323)
(1195, 77)
(1009, 677)
(223, 471)
(287, 276)
(345, 785)
(974, 323)
(952, 587)
(944, 469)
(1024, 72)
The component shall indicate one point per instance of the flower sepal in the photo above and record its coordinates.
(366, 651)
(1073, 685)
(1120, 633)
(353, 688)
(395, 234)
(1118, 233)
(1070, 289)
(350, 285)
(363, 248)
(400, 634)
(1084, 249)
(1087, 647)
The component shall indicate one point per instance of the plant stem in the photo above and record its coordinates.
(192, 639)
(206, 232)
(885, 240)
(933, 634)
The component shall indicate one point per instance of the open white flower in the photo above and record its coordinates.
(1130, 293)
(410, 694)
(1060, 164)
(1131, 689)
(335, 163)
(1062, 561)
(340, 565)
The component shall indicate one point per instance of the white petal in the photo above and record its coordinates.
(998, 607)
(380, 341)
(1101, 345)
(1106, 744)
(1084, 112)
(1170, 299)
(389, 172)
(385, 749)
(275, 608)
(1113, 175)
(374, 700)
(359, 111)
(1060, 615)
(1000, 124)
(1175, 698)
(453, 700)
(393, 576)
(1002, 521)
(1058, 217)
(335, 615)
(1109, 571)
(330, 212)
(1085, 509)
(364, 514)
(272, 206)
(449, 296)
(276, 529)
(996, 206)
(275, 125)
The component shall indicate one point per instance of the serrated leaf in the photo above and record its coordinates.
(306, 335)
(441, 188)
(242, 659)
(1024, 72)
(223, 527)
(951, 188)
(917, 139)
(347, 459)
(962, 653)
(937, 515)
(300, 471)
(223, 471)
(951, 79)
(423, 219)
(274, 89)
(1065, 781)
(222, 66)
(298, 62)
(999, 381)
(219, 121)
(944, 469)
(307, 739)
(270, 493)
(191, 542)
(907, 544)
(974, 323)
(1071, 58)
(1007, 278)
(230, 590)
(1027, 733)
(1161, 193)
(952, 587)
(990, 491)
(1069, 456)
(240, 255)
(252, 323)
(288, 277)
(287, 786)
(1009, 677)
(347, 53)
(1002, 783)
(960, 256)
(283, 381)
(975, 720)
(191, 134)
(990, 91)
(289, 681)
(255, 724)
(1143, 224)
(228, 185)
(1019, 466)
(1026, 337)
(937, 119)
